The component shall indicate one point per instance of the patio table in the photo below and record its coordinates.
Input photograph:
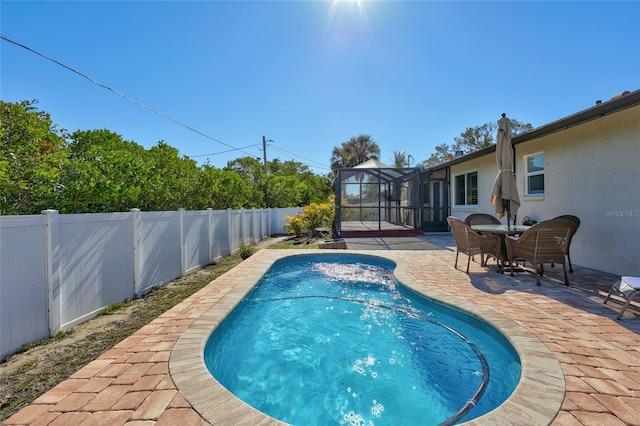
(502, 231)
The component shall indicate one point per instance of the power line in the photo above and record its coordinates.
(121, 94)
(223, 152)
(97, 83)
(319, 165)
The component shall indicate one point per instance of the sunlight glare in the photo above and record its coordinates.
(358, 3)
(348, 23)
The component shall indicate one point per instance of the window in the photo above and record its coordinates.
(425, 194)
(535, 174)
(466, 189)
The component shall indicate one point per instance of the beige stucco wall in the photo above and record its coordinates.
(487, 172)
(592, 171)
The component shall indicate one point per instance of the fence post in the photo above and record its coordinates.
(183, 252)
(263, 230)
(254, 231)
(210, 233)
(135, 222)
(52, 236)
(229, 232)
(241, 229)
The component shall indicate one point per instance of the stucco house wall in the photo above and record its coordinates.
(592, 170)
(487, 171)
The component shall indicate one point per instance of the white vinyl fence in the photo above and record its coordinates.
(59, 270)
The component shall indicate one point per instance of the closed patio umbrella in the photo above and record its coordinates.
(504, 195)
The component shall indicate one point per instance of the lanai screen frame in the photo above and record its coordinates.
(378, 198)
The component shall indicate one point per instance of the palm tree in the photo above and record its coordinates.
(363, 148)
(355, 151)
(338, 159)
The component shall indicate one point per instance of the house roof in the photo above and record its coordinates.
(384, 174)
(374, 167)
(616, 103)
(372, 164)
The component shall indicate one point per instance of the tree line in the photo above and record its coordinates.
(361, 148)
(471, 140)
(43, 166)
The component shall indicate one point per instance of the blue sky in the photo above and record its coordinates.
(309, 75)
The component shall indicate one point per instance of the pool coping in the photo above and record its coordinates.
(537, 398)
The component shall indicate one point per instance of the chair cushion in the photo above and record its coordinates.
(629, 283)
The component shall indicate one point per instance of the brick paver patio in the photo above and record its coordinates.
(132, 383)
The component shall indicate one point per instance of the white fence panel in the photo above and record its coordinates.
(235, 230)
(23, 278)
(254, 216)
(58, 270)
(159, 249)
(255, 225)
(262, 224)
(263, 221)
(261, 230)
(220, 232)
(246, 227)
(196, 239)
(96, 263)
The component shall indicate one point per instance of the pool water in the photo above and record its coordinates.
(335, 339)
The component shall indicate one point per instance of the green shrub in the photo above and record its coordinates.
(312, 216)
(296, 224)
(246, 251)
(319, 215)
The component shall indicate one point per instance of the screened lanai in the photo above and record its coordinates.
(374, 199)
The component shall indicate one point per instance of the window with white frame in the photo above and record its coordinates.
(535, 174)
(466, 189)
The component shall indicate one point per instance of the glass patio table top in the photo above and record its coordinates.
(501, 229)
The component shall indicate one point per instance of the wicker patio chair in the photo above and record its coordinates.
(481, 219)
(471, 242)
(544, 242)
(576, 220)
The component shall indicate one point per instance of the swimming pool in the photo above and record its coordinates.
(334, 339)
(536, 400)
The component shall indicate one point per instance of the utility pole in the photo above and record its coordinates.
(264, 153)
(266, 171)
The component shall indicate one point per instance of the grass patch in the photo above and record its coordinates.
(59, 336)
(298, 243)
(110, 310)
(26, 366)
